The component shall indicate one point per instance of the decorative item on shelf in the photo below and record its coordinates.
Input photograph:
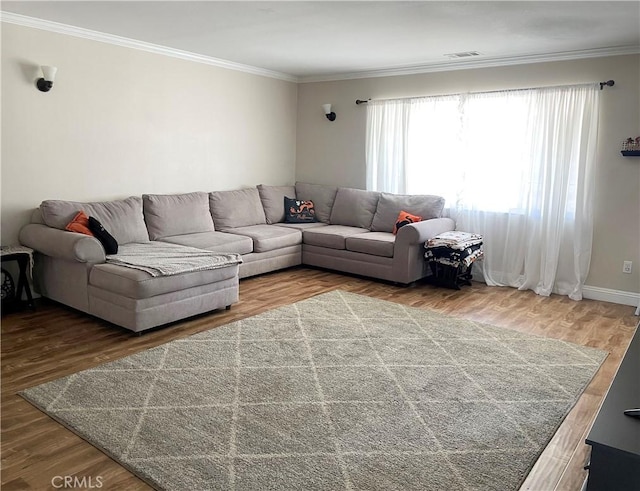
(631, 147)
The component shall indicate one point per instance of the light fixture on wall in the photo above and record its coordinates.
(44, 84)
(331, 116)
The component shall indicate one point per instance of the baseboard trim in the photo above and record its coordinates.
(608, 295)
(594, 293)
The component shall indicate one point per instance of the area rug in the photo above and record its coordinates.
(337, 392)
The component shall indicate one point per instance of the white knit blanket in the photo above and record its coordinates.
(164, 259)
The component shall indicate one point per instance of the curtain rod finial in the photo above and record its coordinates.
(608, 83)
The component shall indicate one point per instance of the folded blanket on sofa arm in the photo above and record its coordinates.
(163, 259)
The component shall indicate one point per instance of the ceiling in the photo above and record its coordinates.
(335, 39)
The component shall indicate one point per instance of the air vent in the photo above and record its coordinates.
(464, 54)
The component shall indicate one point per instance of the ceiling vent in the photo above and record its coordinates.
(463, 54)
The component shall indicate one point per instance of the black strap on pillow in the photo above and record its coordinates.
(106, 239)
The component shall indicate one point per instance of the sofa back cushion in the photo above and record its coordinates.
(354, 207)
(390, 206)
(122, 218)
(321, 195)
(272, 198)
(239, 208)
(176, 214)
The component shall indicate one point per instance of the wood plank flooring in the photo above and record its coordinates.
(55, 341)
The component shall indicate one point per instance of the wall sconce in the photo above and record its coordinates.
(45, 84)
(331, 116)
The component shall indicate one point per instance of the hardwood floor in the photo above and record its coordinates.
(55, 341)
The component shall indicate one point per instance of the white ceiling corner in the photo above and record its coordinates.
(333, 40)
(80, 32)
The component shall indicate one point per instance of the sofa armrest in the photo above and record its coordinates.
(420, 232)
(408, 253)
(62, 244)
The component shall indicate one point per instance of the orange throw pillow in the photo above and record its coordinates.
(403, 219)
(79, 224)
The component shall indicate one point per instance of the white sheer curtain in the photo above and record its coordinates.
(387, 144)
(515, 166)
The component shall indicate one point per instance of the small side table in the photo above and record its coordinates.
(24, 256)
(451, 256)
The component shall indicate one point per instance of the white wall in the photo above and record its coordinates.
(333, 152)
(121, 122)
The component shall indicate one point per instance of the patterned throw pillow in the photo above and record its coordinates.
(79, 224)
(403, 219)
(299, 211)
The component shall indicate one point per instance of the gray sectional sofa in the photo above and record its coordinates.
(353, 234)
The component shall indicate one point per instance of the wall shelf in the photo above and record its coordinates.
(630, 153)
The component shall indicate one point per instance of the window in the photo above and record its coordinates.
(525, 155)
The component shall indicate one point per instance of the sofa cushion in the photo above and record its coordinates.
(221, 242)
(137, 284)
(272, 198)
(176, 214)
(375, 243)
(390, 206)
(321, 195)
(269, 237)
(123, 218)
(301, 226)
(331, 236)
(354, 207)
(238, 208)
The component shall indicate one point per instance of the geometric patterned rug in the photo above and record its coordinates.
(336, 392)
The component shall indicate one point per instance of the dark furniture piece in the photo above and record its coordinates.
(449, 276)
(450, 256)
(23, 257)
(615, 437)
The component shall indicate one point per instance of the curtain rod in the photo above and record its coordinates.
(608, 83)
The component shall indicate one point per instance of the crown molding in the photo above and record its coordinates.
(23, 20)
(477, 63)
(46, 25)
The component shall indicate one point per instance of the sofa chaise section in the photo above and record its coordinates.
(133, 299)
(71, 268)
